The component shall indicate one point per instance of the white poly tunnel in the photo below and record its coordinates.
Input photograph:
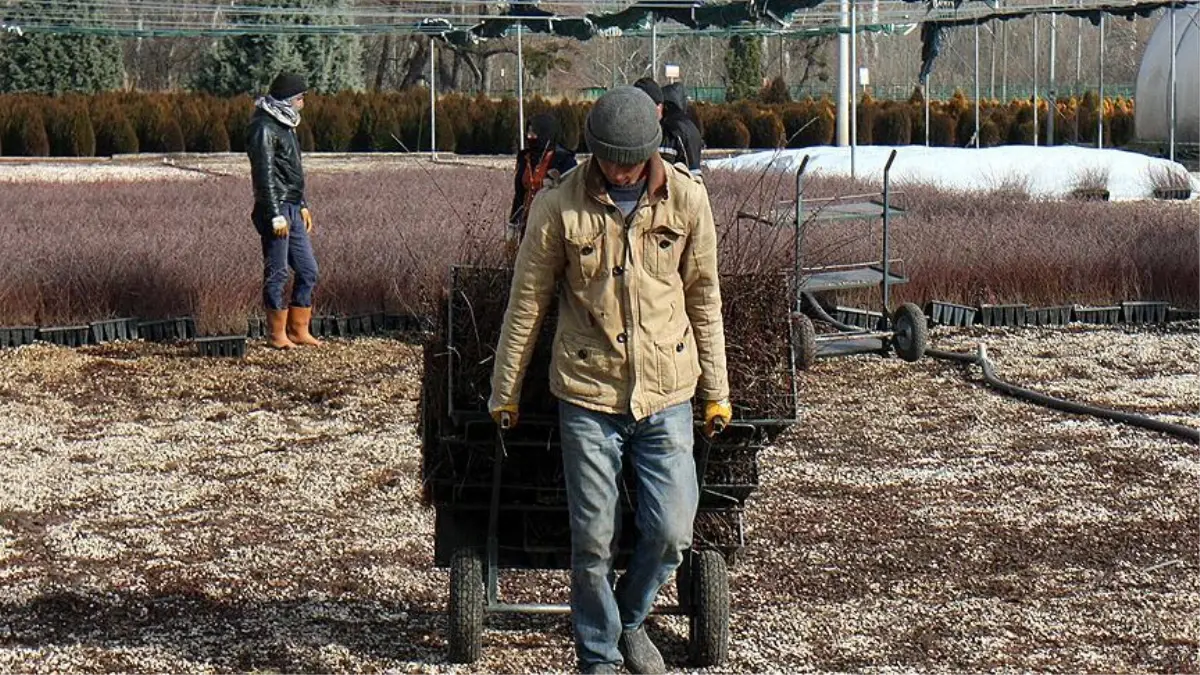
(1152, 108)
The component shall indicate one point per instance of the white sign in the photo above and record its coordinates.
(864, 76)
(671, 71)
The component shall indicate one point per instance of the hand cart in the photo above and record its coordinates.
(500, 502)
(905, 330)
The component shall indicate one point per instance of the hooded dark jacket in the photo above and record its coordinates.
(548, 133)
(681, 141)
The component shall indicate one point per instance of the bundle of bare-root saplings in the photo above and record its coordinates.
(460, 443)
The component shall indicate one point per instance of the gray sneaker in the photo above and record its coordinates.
(599, 669)
(641, 656)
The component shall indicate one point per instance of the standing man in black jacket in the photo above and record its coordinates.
(280, 214)
(682, 142)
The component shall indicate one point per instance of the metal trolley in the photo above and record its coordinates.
(499, 497)
(904, 330)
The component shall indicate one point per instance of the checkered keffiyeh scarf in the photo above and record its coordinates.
(280, 110)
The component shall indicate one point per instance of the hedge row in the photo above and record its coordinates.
(122, 123)
(951, 123)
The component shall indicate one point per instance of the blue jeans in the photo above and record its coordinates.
(660, 447)
(281, 253)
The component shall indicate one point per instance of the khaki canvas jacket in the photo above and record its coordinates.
(639, 321)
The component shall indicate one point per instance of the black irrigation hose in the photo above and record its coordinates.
(989, 376)
(824, 316)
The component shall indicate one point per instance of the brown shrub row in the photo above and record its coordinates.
(951, 123)
(122, 123)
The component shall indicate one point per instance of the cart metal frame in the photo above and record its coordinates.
(477, 539)
(906, 330)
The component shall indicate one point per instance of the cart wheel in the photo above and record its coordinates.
(708, 640)
(804, 341)
(466, 606)
(911, 335)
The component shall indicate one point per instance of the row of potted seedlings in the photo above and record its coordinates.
(181, 329)
(950, 314)
(939, 313)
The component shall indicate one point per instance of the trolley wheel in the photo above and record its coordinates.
(911, 336)
(708, 626)
(804, 341)
(466, 606)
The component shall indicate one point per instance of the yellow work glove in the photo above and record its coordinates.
(306, 216)
(279, 225)
(717, 415)
(505, 416)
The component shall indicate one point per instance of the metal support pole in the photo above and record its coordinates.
(654, 46)
(1078, 54)
(925, 95)
(1004, 62)
(782, 59)
(520, 90)
(1051, 91)
(977, 144)
(1035, 80)
(1100, 113)
(432, 98)
(853, 84)
(992, 76)
(1171, 77)
(844, 92)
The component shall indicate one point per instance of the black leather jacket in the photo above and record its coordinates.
(275, 167)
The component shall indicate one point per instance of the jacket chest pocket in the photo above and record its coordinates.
(586, 252)
(662, 248)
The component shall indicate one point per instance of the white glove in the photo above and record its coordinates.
(512, 233)
(280, 225)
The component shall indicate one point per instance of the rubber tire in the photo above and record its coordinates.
(804, 342)
(708, 625)
(466, 606)
(911, 332)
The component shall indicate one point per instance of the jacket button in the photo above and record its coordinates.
(618, 271)
(586, 250)
(582, 353)
(664, 244)
(621, 338)
(679, 347)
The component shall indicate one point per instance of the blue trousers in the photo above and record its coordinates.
(281, 255)
(660, 447)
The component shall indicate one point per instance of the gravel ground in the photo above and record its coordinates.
(164, 512)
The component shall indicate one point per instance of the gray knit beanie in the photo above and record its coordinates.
(623, 126)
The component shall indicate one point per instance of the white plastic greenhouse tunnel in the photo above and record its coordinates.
(1152, 109)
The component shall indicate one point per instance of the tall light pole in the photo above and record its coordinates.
(843, 85)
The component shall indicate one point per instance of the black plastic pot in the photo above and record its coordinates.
(166, 330)
(1049, 316)
(111, 330)
(229, 346)
(1145, 312)
(65, 336)
(15, 336)
(950, 314)
(1003, 315)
